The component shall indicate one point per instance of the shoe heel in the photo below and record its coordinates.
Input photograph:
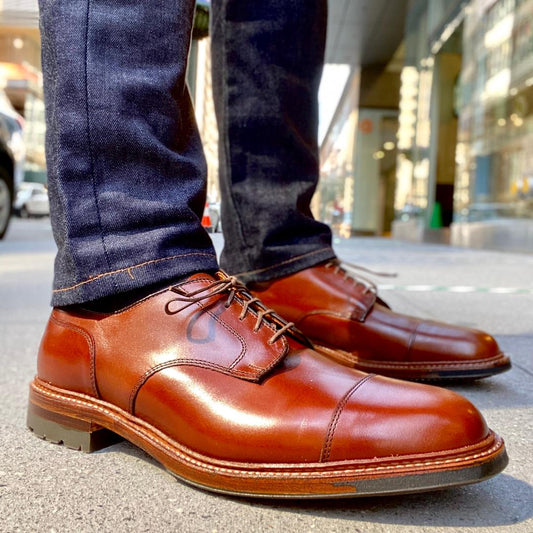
(69, 431)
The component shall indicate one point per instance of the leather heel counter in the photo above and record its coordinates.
(66, 357)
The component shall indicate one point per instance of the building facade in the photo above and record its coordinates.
(21, 78)
(358, 142)
(465, 139)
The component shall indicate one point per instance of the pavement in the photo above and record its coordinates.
(49, 488)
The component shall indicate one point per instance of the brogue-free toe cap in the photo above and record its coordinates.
(387, 417)
(445, 342)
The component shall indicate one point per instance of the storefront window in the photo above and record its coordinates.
(489, 129)
(494, 177)
(414, 133)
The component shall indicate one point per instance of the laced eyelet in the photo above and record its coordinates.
(368, 285)
(235, 289)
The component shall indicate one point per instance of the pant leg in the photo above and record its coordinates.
(125, 164)
(267, 63)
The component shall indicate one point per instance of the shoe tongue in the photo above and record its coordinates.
(212, 276)
(221, 275)
(188, 284)
(207, 277)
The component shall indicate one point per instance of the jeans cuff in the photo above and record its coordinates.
(131, 278)
(287, 267)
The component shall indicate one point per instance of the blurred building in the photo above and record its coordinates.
(459, 168)
(21, 79)
(358, 138)
(466, 124)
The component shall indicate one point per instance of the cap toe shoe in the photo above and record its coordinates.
(348, 322)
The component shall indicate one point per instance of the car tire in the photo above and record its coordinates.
(24, 213)
(6, 202)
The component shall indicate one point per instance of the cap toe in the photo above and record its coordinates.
(386, 417)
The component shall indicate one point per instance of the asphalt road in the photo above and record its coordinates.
(47, 488)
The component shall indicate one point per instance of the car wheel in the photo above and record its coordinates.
(6, 203)
(24, 213)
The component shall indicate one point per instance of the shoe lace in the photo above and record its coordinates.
(351, 271)
(235, 290)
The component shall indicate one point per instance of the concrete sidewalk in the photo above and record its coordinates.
(45, 488)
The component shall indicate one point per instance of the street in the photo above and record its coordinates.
(49, 488)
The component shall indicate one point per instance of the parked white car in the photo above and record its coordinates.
(32, 200)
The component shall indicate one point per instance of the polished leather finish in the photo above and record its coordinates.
(346, 321)
(215, 376)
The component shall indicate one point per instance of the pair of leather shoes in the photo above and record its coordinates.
(230, 397)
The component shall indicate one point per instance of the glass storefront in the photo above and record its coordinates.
(428, 120)
(466, 123)
(495, 148)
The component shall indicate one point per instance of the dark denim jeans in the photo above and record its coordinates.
(125, 164)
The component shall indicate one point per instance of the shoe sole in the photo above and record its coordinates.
(434, 372)
(88, 424)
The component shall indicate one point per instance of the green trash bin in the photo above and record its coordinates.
(436, 217)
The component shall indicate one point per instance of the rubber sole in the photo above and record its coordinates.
(85, 423)
(433, 372)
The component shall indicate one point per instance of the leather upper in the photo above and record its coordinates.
(213, 374)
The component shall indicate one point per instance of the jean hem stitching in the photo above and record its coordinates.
(129, 269)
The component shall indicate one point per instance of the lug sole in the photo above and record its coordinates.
(85, 423)
(434, 372)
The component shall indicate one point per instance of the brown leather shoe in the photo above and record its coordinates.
(346, 321)
(226, 396)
